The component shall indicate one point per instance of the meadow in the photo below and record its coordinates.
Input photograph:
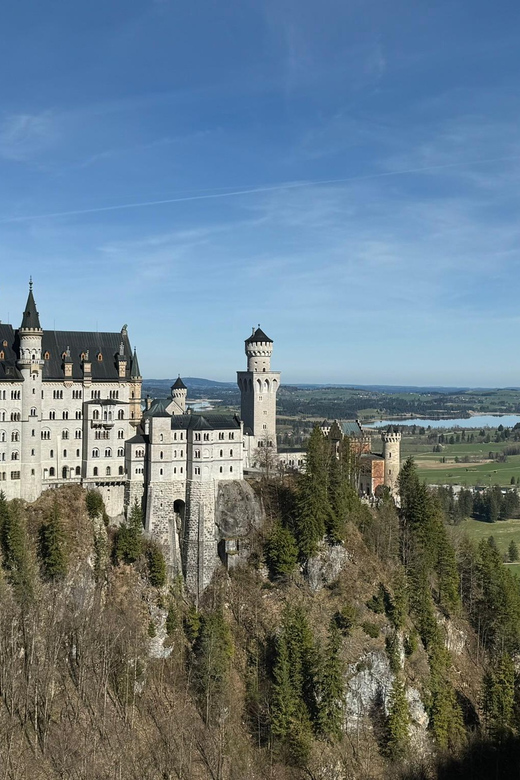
(503, 532)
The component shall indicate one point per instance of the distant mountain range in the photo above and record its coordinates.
(198, 383)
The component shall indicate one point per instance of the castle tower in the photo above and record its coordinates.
(258, 387)
(136, 382)
(179, 392)
(392, 456)
(30, 364)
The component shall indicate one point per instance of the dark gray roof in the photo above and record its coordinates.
(8, 370)
(258, 335)
(179, 384)
(30, 317)
(206, 422)
(158, 408)
(55, 343)
(137, 439)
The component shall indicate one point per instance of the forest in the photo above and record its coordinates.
(357, 641)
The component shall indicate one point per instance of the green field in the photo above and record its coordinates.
(487, 474)
(502, 531)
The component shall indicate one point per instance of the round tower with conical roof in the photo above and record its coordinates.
(258, 388)
(179, 392)
(392, 456)
(30, 364)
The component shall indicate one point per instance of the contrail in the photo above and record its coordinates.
(248, 191)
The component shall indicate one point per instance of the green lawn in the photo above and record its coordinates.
(502, 531)
(491, 473)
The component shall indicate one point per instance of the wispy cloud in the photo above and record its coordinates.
(24, 135)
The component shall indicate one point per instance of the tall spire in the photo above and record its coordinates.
(135, 373)
(31, 318)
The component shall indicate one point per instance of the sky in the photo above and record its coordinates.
(345, 174)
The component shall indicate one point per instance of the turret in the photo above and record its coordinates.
(179, 392)
(258, 388)
(392, 456)
(31, 334)
(136, 381)
(259, 349)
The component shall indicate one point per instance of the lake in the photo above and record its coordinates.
(478, 421)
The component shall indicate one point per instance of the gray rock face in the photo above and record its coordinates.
(237, 510)
(325, 567)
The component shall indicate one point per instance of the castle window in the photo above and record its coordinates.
(4, 343)
(221, 436)
(175, 470)
(32, 472)
(2, 356)
(121, 414)
(14, 455)
(78, 415)
(51, 453)
(120, 452)
(175, 436)
(120, 434)
(65, 416)
(231, 435)
(161, 472)
(196, 454)
(95, 471)
(161, 455)
(231, 468)
(230, 453)
(15, 436)
(99, 357)
(15, 416)
(64, 434)
(2, 435)
(64, 453)
(77, 434)
(121, 470)
(206, 437)
(95, 453)
(33, 452)
(78, 471)
(197, 437)
(108, 452)
(15, 475)
(52, 471)
(161, 437)
(221, 453)
(197, 470)
(221, 469)
(46, 434)
(181, 469)
(108, 471)
(77, 453)
(52, 415)
(182, 453)
(95, 414)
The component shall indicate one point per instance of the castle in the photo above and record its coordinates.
(71, 412)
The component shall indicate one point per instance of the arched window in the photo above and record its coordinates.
(65, 434)
(121, 414)
(65, 415)
(14, 455)
(161, 437)
(95, 414)
(77, 434)
(95, 452)
(108, 452)
(95, 471)
(121, 470)
(46, 355)
(266, 385)
(120, 434)
(15, 416)
(33, 412)
(15, 436)
(3, 435)
(52, 415)
(99, 357)
(161, 455)
(52, 471)
(78, 471)
(2, 355)
(120, 452)
(64, 472)
(259, 385)
(108, 472)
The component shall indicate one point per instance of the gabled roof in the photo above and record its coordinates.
(134, 372)
(351, 428)
(106, 345)
(179, 384)
(206, 422)
(30, 317)
(258, 335)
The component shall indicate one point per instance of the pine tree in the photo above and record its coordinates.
(284, 703)
(156, 565)
(53, 545)
(398, 721)
(313, 510)
(513, 551)
(499, 696)
(95, 505)
(16, 553)
(129, 543)
(331, 688)
(281, 551)
(213, 653)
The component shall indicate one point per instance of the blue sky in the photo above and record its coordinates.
(344, 173)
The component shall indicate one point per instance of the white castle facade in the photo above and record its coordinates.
(71, 412)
